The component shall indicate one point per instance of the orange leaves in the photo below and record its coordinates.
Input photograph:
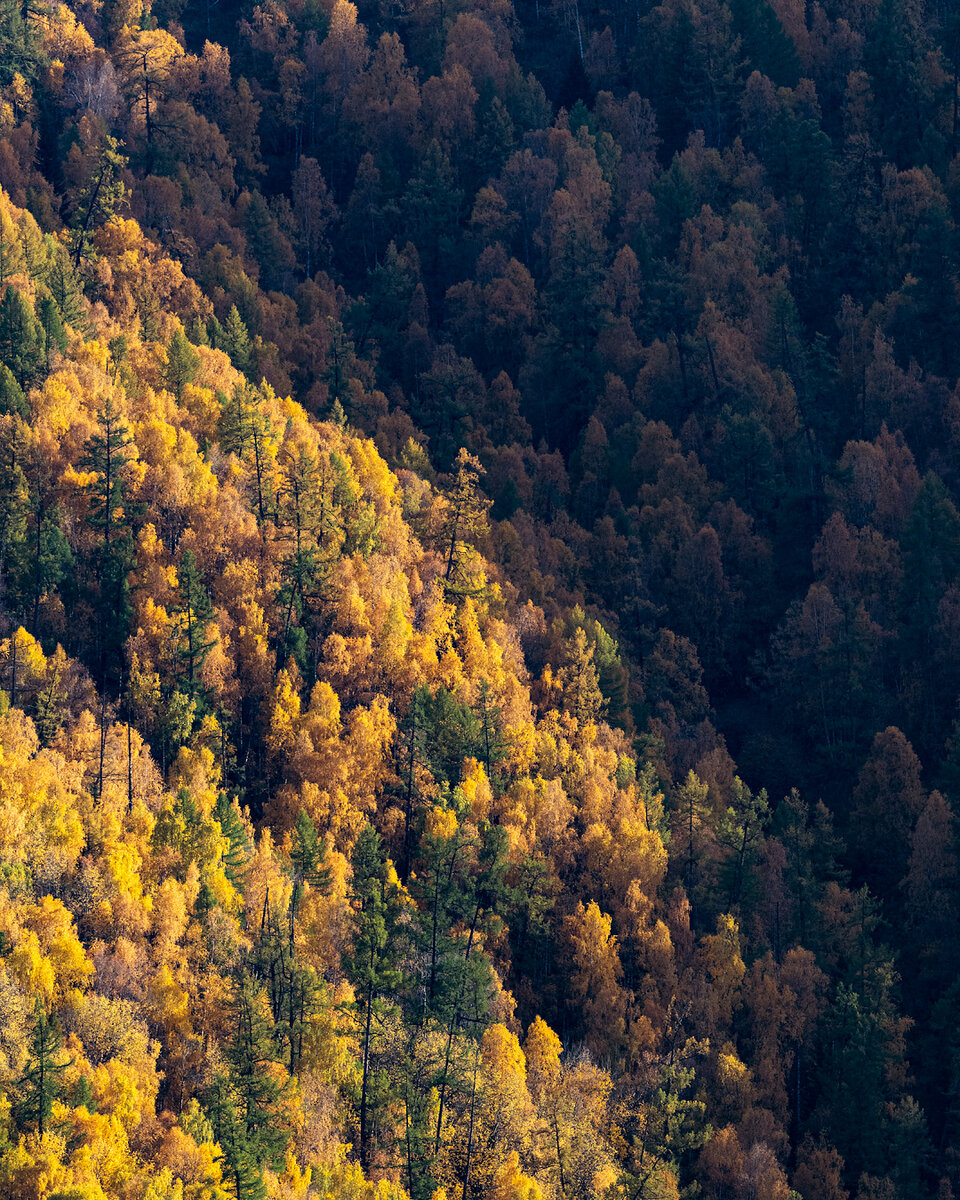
(142, 280)
(595, 979)
(39, 823)
(332, 769)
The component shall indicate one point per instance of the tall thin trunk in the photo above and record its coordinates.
(13, 669)
(451, 1033)
(473, 1103)
(364, 1134)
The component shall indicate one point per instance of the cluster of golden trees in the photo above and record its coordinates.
(295, 848)
(365, 830)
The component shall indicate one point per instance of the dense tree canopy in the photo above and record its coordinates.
(479, 600)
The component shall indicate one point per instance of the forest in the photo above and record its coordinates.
(479, 600)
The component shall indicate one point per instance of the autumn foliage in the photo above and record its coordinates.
(479, 600)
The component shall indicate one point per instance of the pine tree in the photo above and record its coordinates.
(246, 431)
(65, 289)
(690, 833)
(308, 855)
(100, 198)
(107, 457)
(741, 830)
(372, 965)
(244, 1106)
(582, 697)
(237, 857)
(12, 260)
(309, 522)
(235, 340)
(240, 1164)
(40, 1083)
(12, 399)
(490, 740)
(182, 364)
(50, 560)
(22, 339)
(49, 317)
(20, 47)
(195, 612)
(451, 732)
(467, 877)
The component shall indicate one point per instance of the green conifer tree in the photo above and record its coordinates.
(235, 340)
(107, 456)
(99, 199)
(12, 399)
(182, 364)
(41, 1081)
(372, 964)
(233, 829)
(49, 316)
(308, 855)
(195, 611)
(244, 1104)
(22, 339)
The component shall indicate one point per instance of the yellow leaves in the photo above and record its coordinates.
(19, 94)
(35, 1169)
(16, 1016)
(102, 1160)
(198, 770)
(394, 635)
(333, 772)
(39, 823)
(127, 909)
(163, 1186)
(440, 823)
(504, 1116)
(265, 881)
(724, 969)
(323, 714)
(61, 404)
(141, 277)
(32, 972)
(346, 659)
(170, 915)
(436, 630)
(542, 1049)
(370, 735)
(195, 1164)
(734, 1082)
(22, 666)
(476, 791)
(378, 482)
(128, 1087)
(168, 1003)
(510, 1183)
(284, 715)
(64, 37)
(292, 1184)
(628, 857)
(53, 954)
(253, 657)
(148, 48)
(200, 407)
(109, 1029)
(595, 982)
(501, 1055)
(326, 920)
